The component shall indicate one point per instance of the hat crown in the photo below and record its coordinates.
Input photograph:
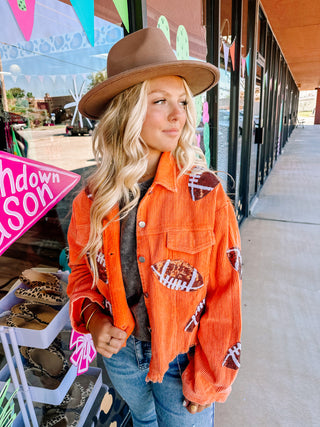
(142, 48)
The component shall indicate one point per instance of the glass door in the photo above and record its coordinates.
(257, 136)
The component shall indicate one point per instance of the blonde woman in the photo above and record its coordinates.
(154, 243)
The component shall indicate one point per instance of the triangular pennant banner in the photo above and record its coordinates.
(85, 11)
(23, 11)
(122, 8)
(16, 148)
(248, 62)
(226, 55)
(28, 190)
(243, 66)
(232, 51)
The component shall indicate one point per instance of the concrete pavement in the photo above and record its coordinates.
(279, 380)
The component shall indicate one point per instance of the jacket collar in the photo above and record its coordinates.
(166, 174)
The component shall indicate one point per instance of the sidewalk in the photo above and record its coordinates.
(279, 380)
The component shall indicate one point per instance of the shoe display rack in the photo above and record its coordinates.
(26, 394)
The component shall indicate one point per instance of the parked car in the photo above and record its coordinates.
(19, 126)
(73, 130)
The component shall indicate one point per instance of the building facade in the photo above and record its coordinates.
(53, 54)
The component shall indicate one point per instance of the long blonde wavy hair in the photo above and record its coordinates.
(122, 159)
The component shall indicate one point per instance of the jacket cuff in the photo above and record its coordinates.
(76, 308)
(205, 395)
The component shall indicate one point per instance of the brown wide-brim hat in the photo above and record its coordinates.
(143, 55)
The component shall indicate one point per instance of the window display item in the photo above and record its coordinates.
(43, 313)
(60, 418)
(47, 294)
(31, 332)
(38, 379)
(33, 278)
(50, 360)
(18, 321)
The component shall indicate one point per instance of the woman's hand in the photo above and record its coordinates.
(193, 407)
(107, 339)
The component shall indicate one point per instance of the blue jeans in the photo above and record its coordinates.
(153, 404)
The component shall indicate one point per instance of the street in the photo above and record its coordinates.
(51, 145)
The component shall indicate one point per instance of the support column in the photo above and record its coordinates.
(317, 112)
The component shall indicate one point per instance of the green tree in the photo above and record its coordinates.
(30, 95)
(96, 78)
(16, 92)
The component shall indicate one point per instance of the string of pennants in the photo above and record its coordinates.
(229, 49)
(53, 78)
(23, 11)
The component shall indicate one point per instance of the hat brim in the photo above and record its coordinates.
(200, 77)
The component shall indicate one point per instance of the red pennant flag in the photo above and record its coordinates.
(23, 11)
(232, 51)
(28, 190)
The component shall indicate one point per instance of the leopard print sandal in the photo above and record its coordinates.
(44, 294)
(33, 278)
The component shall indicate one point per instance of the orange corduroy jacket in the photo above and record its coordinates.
(188, 253)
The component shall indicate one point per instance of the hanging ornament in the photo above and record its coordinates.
(23, 11)
(243, 66)
(226, 55)
(122, 8)
(182, 43)
(164, 26)
(85, 12)
(248, 62)
(232, 51)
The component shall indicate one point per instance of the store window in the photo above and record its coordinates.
(224, 86)
(48, 60)
(43, 79)
(185, 28)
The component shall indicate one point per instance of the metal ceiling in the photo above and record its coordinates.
(296, 26)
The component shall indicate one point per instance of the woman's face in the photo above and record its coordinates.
(166, 114)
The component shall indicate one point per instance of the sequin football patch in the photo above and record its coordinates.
(101, 264)
(177, 275)
(193, 322)
(201, 184)
(234, 256)
(232, 359)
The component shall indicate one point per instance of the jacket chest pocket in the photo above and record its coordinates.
(192, 246)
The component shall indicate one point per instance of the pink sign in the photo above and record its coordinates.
(23, 11)
(28, 189)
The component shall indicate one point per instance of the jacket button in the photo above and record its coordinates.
(141, 259)
(142, 224)
(146, 294)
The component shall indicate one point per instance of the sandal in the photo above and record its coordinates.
(33, 278)
(55, 417)
(36, 378)
(21, 321)
(75, 397)
(44, 294)
(86, 383)
(51, 360)
(43, 313)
